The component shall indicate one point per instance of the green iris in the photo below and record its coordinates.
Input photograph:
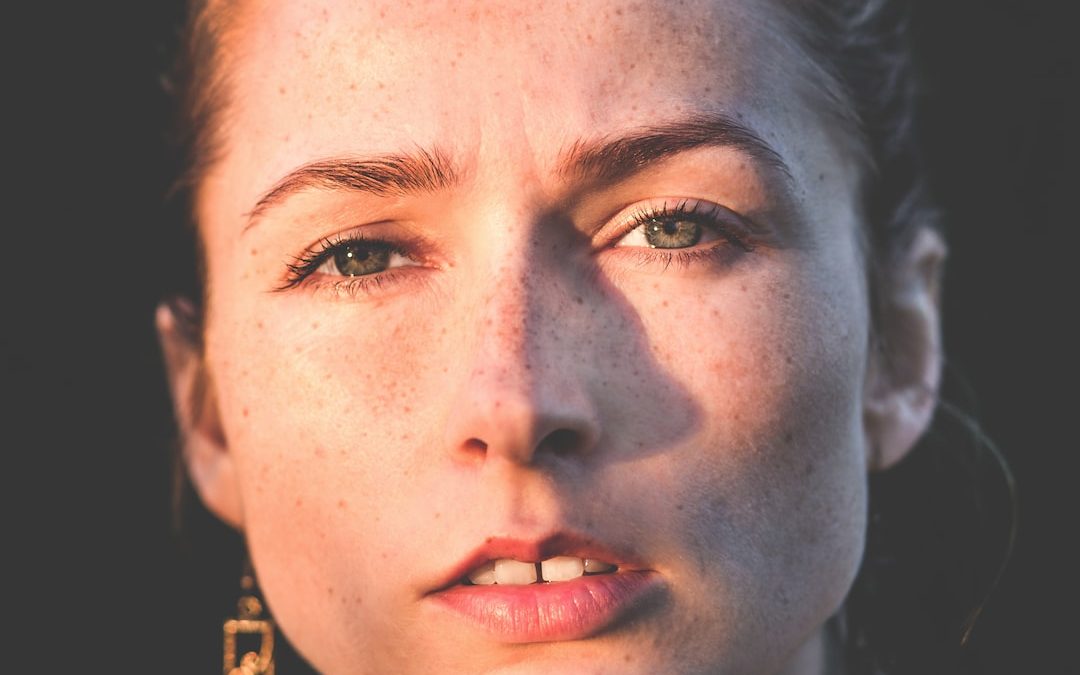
(359, 259)
(672, 233)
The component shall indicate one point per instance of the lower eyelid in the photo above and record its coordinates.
(382, 284)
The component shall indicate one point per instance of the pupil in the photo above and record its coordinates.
(357, 260)
(672, 233)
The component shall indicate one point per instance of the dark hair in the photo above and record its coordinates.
(935, 542)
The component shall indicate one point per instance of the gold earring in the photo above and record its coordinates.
(249, 621)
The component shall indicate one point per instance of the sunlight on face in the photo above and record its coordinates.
(493, 286)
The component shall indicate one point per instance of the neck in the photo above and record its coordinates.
(821, 654)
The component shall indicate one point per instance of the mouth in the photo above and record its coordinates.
(563, 587)
(510, 572)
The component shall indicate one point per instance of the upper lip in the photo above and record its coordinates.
(561, 543)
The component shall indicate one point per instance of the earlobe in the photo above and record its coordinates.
(202, 442)
(904, 372)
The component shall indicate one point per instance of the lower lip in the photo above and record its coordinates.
(545, 612)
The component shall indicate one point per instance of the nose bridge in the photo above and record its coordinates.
(524, 390)
(514, 312)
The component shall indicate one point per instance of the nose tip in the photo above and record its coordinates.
(522, 424)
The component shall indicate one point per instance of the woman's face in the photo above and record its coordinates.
(608, 303)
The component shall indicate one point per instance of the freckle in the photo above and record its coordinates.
(407, 409)
(296, 349)
(281, 90)
(254, 251)
(319, 452)
(679, 507)
(329, 590)
(315, 325)
(244, 412)
(358, 600)
(789, 438)
(809, 469)
(787, 359)
(821, 176)
(299, 502)
(342, 504)
(742, 288)
(437, 515)
(380, 85)
(664, 303)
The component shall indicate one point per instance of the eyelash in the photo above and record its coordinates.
(711, 217)
(308, 262)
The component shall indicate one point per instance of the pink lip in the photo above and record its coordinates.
(568, 610)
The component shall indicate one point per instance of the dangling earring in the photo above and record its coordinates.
(249, 621)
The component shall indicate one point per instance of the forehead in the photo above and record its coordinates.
(323, 78)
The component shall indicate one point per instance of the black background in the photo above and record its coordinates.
(95, 581)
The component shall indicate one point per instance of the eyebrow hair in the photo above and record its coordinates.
(384, 175)
(605, 160)
(609, 160)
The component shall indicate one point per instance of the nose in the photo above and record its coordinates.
(525, 395)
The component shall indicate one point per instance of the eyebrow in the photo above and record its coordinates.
(610, 160)
(604, 160)
(382, 176)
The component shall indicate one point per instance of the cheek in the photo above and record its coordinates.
(769, 494)
(318, 408)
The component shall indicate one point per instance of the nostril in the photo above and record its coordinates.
(475, 446)
(563, 442)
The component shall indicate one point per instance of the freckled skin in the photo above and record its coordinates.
(716, 409)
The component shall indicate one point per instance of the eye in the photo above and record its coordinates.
(358, 258)
(685, 224)
(347, 260)
(664, 232)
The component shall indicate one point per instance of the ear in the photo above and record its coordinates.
(904, 372)
(202, 442)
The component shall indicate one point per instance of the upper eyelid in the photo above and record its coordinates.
(628, 218)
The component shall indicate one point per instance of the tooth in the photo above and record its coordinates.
(596, 567)
(509, 571)
(483, 575)
(562, 568)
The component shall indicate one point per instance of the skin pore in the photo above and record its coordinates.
(521, 362)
